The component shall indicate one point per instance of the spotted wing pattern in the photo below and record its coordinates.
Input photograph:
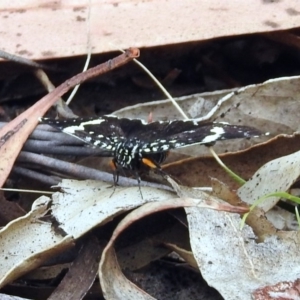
(129, 141)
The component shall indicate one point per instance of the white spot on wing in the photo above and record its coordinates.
(71, 129)
(165, 147)
(218, 132)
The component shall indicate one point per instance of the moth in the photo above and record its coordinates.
(134, 143)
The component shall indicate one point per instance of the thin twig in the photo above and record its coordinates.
(77, 171)
(89, 52)
(161, 87)
(26, 191)
(35, 175)
(48, 147)
(26, 62)
(114, 63)
(231, 173)
(60, 104)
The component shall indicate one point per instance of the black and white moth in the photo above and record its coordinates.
(134, 143)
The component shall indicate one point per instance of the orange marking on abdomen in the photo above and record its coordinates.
(149, 163)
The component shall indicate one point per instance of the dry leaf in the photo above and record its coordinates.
(27, 242)
(275, 176)
(176, 21)
(113, 282)
(186, 255)
(112, 286)
(232, 262)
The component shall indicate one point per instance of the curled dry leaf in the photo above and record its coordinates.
(86, 204)
(114, 283)
(111, 285)
(253, 105)
(147, 246)
(27, 242)
(227, 254)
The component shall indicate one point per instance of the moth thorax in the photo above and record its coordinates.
(127, 154)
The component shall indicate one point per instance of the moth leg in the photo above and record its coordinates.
(116, 172)
(115, 169)
(138, 178)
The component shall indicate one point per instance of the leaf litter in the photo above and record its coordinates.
(223, 251)
(215, 236)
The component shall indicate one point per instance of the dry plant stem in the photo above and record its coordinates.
(89, 51)
(55, 136)
(240, 180)
(26, 191)
(71, 169)
(160, 86)
(24, 61)
(35, 175)
(46, 140)
(77, 86)
(78, 171)
(162, 89)
(48, 147)
(46, 132)
(116, 62)
(60, 105)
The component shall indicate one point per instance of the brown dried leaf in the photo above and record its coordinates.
(81, 274)
(176, 21)
(9, 210)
